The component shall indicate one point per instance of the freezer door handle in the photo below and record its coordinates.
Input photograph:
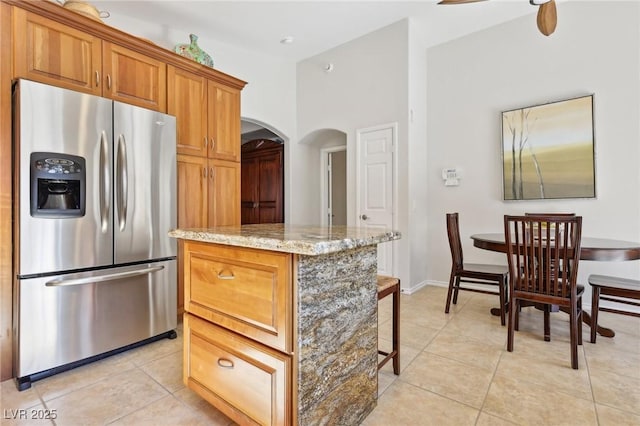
(105, 183)
(61, 282)
(122, 192)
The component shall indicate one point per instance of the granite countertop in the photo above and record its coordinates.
(299, 239)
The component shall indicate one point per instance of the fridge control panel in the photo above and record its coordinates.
(58, 165)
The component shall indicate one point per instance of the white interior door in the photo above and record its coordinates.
(376, 174)
(333, 169)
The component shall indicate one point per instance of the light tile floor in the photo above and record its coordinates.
(455, 371)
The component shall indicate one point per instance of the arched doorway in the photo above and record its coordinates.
(328, 169)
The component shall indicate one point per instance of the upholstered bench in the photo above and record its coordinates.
(612, 289)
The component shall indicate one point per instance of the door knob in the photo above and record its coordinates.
(364, 217)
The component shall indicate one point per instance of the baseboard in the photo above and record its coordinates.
(422, 285)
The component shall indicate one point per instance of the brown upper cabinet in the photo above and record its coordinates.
(208, 115)
(133, 78)
(54, 53)
(224, 108)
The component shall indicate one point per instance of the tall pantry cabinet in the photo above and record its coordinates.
(42, 41)
(208, 146)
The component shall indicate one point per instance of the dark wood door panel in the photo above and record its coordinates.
(262, 182)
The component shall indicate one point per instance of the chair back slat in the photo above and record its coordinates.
(543, 252)
(550, 214)
(453, 232)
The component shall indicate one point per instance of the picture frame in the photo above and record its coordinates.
(548, 150)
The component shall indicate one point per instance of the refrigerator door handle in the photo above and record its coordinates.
(105, 183)
(61, 282)
(122, 192)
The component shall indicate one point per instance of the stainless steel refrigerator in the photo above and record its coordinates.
(96, 271)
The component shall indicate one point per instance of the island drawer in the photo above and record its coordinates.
(245, 380)
(244, 290)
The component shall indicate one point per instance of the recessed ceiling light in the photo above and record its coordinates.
(287, 40)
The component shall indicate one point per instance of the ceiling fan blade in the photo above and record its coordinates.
(547, 18)
(458, 1)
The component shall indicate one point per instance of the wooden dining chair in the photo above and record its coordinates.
(474, 273)
(543, 254)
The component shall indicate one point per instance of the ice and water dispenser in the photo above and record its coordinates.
(58, 183)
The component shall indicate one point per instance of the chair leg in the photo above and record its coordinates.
(451, 281)
(455, 291)
(547, 323)
(595, 306)
(396, 331)
(573, 318)
(579, 319)
(502, 302)
(513, 312)
(517, 320)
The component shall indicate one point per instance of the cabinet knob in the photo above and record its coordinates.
(228, 276)
(109, 81)
(213, 143)
(97, 78)
(204, 172)
(205, 142)
(211, 173)
(225, 363)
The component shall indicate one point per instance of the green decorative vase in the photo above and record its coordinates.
(193, 51)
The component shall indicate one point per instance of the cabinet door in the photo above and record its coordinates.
(192, 191)
(224, 193)
(248, 382)
(224, 122)
(187, 101)
(249, 175)
(241, 289)
(53, 53)
(270, 182)
(134, 78)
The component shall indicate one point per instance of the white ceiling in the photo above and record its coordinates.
(316, 26)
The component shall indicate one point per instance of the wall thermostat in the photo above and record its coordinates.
(451, 177)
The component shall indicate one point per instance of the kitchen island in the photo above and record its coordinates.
(281, 321)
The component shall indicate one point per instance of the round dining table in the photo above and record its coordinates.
(597, 249)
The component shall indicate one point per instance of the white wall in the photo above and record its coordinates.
(417, 159)
(367, 87)
(595, 49)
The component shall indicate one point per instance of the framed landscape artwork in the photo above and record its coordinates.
(548, 151)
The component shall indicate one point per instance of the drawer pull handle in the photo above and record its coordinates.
(229, 276)
(225, 363)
